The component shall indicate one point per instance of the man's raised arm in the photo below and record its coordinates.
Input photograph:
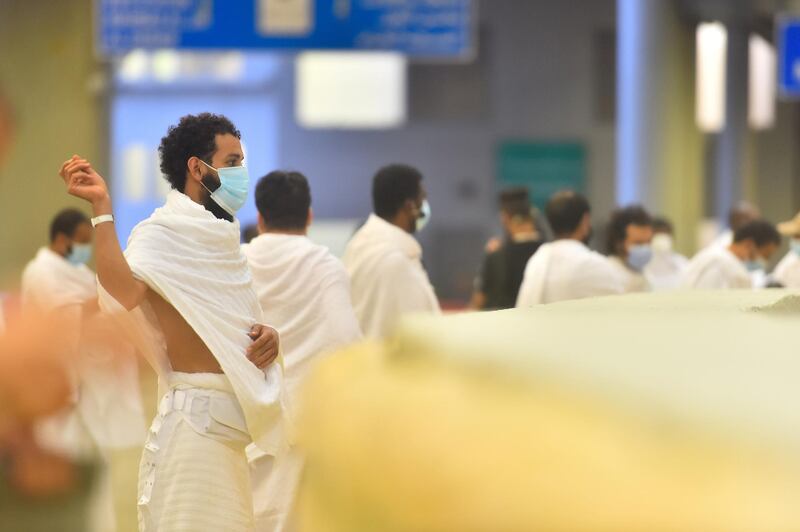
(112, 269)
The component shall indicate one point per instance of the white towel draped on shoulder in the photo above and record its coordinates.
(193, 260)
(304, 291)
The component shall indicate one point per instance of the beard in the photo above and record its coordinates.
(211, 205)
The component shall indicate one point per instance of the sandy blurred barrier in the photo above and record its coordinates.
(39, 490)
(673, 412)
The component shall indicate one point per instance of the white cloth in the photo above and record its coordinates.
(194, 261)
(716, 268)
(109, 412)
(193, 475)
(723, 240)
(387, 276)
(787, 272)
(304, 292)
(564, 270)
(665, 271)
(50, 282)
(758, 278)
(633, 281)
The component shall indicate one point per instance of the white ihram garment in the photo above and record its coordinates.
(787, 272)
(565, 270)
(716, 268)
(665, 271)
(108, 401)
(387, 277)
(107, 410)
(723, 240)
(304, 292)
(194, 474)
(194, 262)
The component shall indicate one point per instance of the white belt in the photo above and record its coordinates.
(210, 413)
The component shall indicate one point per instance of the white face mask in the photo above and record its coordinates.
(425, 215)
(662, 243)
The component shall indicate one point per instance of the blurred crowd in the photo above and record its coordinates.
(69, 378)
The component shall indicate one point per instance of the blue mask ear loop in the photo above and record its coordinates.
(201, 179)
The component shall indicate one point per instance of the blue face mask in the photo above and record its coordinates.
(795, 245)
(755, 265)
(639, 257)
(232, 192)
(80, 254)
(425, 215)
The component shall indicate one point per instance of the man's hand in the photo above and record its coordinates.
(265, 347)
(83, 182)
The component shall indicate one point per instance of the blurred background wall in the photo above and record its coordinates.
(545, 71)
(47, 66)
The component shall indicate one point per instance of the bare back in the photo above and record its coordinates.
(186, 350)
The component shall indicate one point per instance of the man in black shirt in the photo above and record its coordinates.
(501, 275)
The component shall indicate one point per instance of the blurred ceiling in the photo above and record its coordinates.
(759, 14)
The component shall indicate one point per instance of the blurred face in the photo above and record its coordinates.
(77, 247)
(414, 211)
(83, 234)
(637, 235)
(766, 252)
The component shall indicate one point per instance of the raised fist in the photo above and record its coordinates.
(82, 181)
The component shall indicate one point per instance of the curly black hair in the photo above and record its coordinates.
(194, 136)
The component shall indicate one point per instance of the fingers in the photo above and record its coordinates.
(265, 347)
(260, 345)
(78, 178)
(72, 168)
(70, 165)
(264, 360)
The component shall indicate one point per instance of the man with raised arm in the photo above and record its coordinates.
(184, 289)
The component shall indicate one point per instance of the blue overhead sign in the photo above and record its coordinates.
(788, 36)
(435, 29)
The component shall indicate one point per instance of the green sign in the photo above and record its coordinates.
(543, 167)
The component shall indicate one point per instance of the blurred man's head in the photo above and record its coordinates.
(399, 197)
(71, 236)
(249, 232)
(193, 151)
(283, 200)
(755, 243)
(741, 214)
(630, 232)
(569, 216)
(516, 214)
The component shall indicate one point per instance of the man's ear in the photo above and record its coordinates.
(194, 169)
(310, 218)
(262, 225)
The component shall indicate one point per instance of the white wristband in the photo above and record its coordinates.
(103, 218)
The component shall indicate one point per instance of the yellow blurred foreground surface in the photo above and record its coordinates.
(661, 412)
